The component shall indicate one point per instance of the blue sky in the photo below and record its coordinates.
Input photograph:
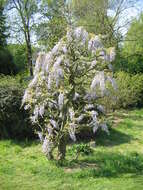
(128, 15)
(135, 11)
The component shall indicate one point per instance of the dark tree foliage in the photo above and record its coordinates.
(7, 66)
(6, 59)
(3, 27)
(18, 52)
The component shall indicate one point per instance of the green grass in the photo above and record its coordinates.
(115, 164)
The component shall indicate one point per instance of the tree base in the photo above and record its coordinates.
(62, 149)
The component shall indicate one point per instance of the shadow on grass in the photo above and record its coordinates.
(115, 138)
(103, 164)
(102, 139)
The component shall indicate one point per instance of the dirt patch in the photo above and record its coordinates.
(117, 120)
(79, 167)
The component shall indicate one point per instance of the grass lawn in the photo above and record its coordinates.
(115, 164)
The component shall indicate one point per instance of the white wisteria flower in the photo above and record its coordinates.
(72, 129)
(94, 44)
(71, 114)
(104, 127)
(112, 54)
(54, 123)
(61, 101)
(99, 80)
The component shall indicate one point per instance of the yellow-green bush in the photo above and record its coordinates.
(130, 90)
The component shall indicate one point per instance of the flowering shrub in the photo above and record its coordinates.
(68, 82)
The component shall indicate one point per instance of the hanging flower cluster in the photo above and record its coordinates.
(68, 82)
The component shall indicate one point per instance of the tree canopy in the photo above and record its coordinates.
(133, 47)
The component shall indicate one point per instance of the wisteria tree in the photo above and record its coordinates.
(68, 83)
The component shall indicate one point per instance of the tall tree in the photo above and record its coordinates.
(6, 59)
(54, 24)
(103, 17)
(93, 15)
(23, 23)
(133, 47)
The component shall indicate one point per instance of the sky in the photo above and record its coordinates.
(128, 15)
(134, 12)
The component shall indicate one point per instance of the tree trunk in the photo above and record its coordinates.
(29, 49)
(26, 29)
(29, 53)
(29, 57)
(50, 156)
(62, 148)
(51, 147)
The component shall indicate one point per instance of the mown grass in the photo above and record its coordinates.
(115, 164)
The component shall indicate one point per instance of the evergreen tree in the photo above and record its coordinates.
(7, 66)
(3, 27)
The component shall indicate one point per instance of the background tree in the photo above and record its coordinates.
(94, 15)
(6, 60)
(91, 14)
(22, 22)
(104, 17)
(54, 24)
(133, 47)
(18, 51)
